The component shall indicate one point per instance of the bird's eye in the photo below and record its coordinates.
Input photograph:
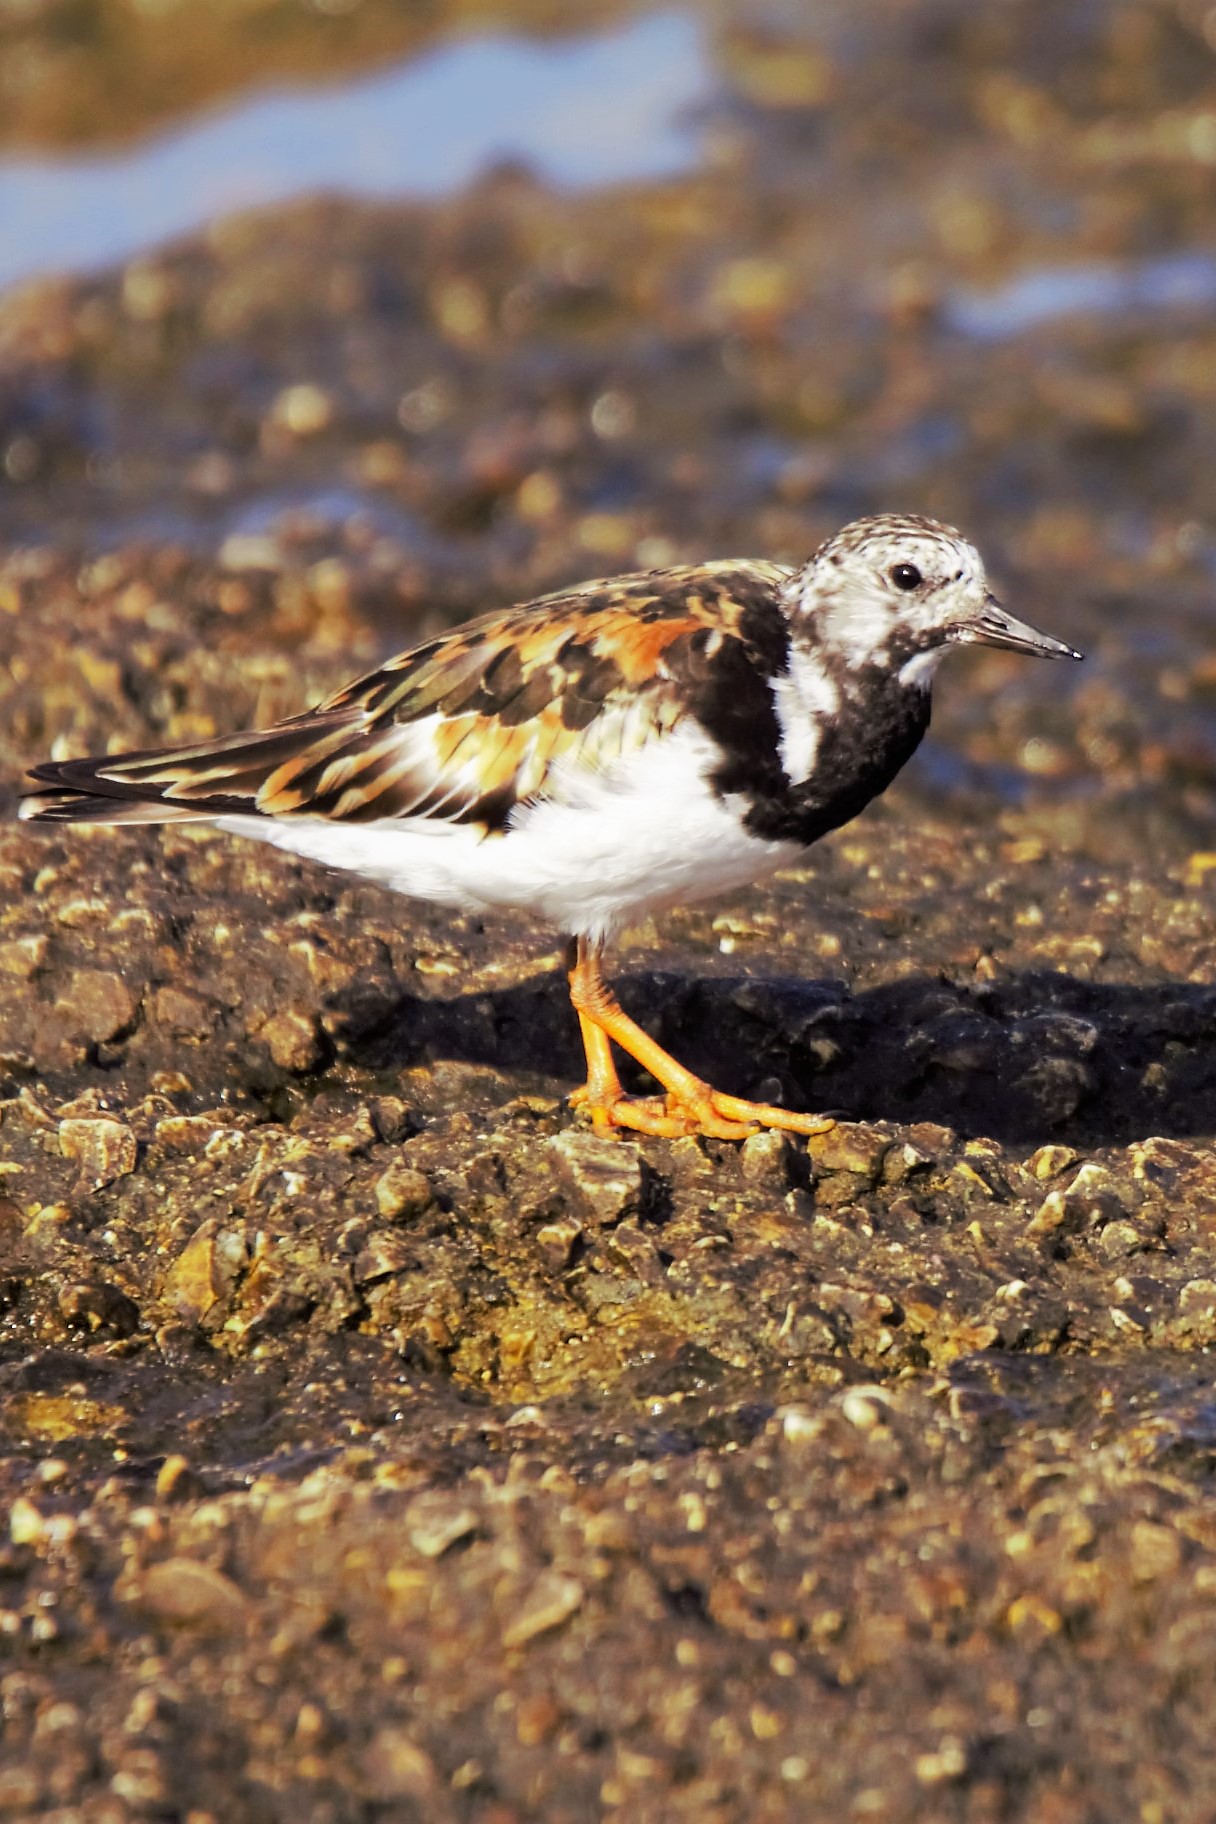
(906, 576)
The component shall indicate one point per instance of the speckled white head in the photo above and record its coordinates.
(896, 590)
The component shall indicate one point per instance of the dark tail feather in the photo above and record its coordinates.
(79, 807)
(191, 784)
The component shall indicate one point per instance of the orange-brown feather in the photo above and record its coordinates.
(465, 726)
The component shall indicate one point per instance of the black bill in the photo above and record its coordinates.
(995, 626)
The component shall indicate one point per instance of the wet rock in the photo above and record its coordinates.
(1156, 1551)
(95, 1305)
(556, 1242)
(585, 1363)
(767, 1158)
(24, 956)
(52, 1418)
(176, 1480)
(392, 1119)
(1198, 1298)
(608, 1178)
(205, 1270)
(435, 1522)
(1049, 1161)
(189, 1133)
(403, 1192)
(1162, 1162)
(552, 1600)
(191, 1593)
(183, 1013)
(1120, 1238)
(293, 1040)
(96, 1005)
(1056, 1087)
(384, 1254)
(635, 1251)
(105, 1149)
(393, 1766)
(850, 1147)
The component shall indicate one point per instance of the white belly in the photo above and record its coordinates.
(601, 851)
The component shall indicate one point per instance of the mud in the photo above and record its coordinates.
(378, 1442)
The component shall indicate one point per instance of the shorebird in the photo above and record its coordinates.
(599, 754)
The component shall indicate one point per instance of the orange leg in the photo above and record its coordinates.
(691, 1106)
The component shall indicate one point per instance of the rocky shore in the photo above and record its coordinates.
(378, 1442)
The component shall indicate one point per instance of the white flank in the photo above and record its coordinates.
(603, 849)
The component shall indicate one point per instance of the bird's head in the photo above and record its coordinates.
(896, 590)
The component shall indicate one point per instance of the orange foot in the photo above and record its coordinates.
(690, 1106)
(713, 1113)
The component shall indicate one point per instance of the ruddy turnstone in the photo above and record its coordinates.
(601, 753)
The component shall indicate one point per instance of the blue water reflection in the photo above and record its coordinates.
(595, 110)
(1173, 281)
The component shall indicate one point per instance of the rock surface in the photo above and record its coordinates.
(378, 1441)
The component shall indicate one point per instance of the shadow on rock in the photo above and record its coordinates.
(1034, 1056)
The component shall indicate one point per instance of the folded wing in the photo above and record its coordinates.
(461, 729)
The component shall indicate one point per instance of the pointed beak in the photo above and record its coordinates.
(995, 626)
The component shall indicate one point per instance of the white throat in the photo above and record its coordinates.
(917, 673)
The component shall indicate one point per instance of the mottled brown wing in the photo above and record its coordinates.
(460, 729)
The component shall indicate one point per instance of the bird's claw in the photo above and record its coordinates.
(713, 1115)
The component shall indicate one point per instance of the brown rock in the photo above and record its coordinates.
(403, 1191)
(383, 1255)
(1156, 1551)
(552, 1600)
(556, 1242)
(105, 1149)
(184, 1590)
(434, 1522)
(96, 1305)
(185, 1014)
(175, 1480)
(23, 956)
(293, 1041)
(852, 1147)
(187, 1133)
(395, 1767)
(96, 1005)
(608, 1177)
(204, 1270)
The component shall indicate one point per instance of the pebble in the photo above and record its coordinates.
(434, 1523)
(96, 1004)
(556, 1242)
(403, 1191)
(95, 1305)
(383, 1254)
(204, 1269)
(850, 1147)
(293, 1040)
(393, 1767)
(766, 1158)
(24, 956)
(188, 1591)
(105, 1149)
(607, 1176)
(553, 1599)
(304, 409)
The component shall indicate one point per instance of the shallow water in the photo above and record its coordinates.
(1182, 283)
(607, 108)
